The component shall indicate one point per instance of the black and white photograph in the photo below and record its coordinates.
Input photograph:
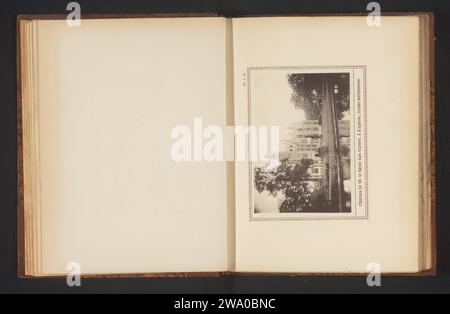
(312, 110)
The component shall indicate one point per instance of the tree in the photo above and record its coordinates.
(289, 179)
(307, 92)
(341, 81)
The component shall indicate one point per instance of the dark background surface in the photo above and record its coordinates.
(8, 200)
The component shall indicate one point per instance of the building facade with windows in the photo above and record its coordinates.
(304, 143)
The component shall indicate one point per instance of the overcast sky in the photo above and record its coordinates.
(271, 101)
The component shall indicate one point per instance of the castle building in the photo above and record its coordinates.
(305, 142)
(306, 128)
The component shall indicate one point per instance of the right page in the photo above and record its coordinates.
(340, 189)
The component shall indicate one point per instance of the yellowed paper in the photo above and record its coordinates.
(388, 234)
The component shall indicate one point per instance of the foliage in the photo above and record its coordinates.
(307, 90)
(291, 180)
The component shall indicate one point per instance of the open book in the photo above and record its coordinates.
(205, 145)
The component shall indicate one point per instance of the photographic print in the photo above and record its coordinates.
(321, 120)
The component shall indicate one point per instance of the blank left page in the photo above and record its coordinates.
(110, 93)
